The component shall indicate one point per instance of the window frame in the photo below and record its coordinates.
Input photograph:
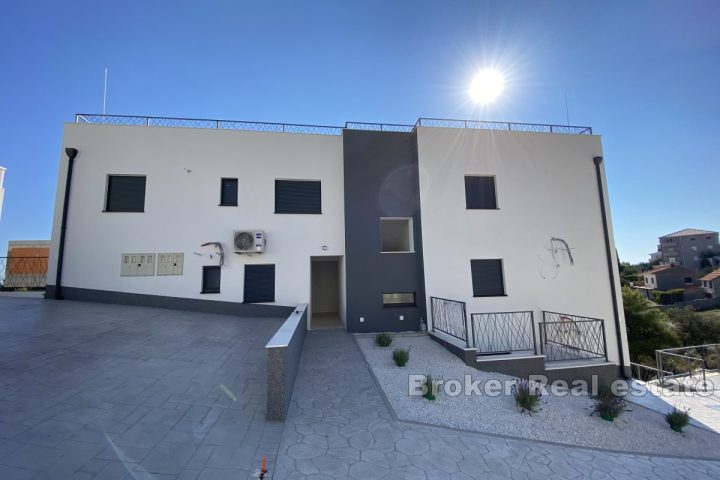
(250, 266)
(495, 191)
(411, 234)
(108, 191)
(502, 278)
(204, 288)
(222, 192)
(403, 304)
(297, 180)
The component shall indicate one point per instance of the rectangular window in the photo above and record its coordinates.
(399, 299)
(396, 235)
(228, 192)
(259, 283)
(297, 196)
(480, 193)
(211, 279)
(125, 193)
(688, 280)
(487, 278)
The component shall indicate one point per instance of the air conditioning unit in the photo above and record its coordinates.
(249, 241)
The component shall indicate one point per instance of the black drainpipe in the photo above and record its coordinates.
(608, 253)
(71, 153)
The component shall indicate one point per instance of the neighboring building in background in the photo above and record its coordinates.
(668, 277)
(2, 189)
(655, 257)
(711, 284)
(26, 264)
(688, 247)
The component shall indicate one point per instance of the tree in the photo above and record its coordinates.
(693, 328)
(648, 327)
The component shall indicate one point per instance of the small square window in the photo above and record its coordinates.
(211, 279)
(480, 193)
(125, 193)
(298, 196)
(688, 280)
(487, 278)
(229, 192)
(396, 235)
(399, 299)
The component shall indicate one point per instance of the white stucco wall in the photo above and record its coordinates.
(546, 187)
(183, 168)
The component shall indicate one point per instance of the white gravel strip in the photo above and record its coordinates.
(566, 420)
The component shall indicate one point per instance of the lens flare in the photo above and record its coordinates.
(487, 85)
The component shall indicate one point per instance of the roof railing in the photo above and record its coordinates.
(325, 129)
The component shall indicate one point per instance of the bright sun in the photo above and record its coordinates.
(487, 85)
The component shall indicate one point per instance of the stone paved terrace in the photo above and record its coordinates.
(339, 427)
(91, 391)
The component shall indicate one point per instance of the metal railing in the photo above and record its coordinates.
(507, 126)
(449, 317)
(179, 122)
(23, 272)
(207, 123)
(380, 127)
(688, 366)
(572, 337)
(503, 332)
(645, 373)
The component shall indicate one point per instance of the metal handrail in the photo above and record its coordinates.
(23, 272)
(144, 120)
(701, 361)
(452, 326)
(504, 332)
(581, 343)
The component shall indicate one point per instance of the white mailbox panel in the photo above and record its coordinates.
(170, 264)
(137, 264)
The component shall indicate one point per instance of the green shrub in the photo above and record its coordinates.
(527, 398)
(648, 327)
(429, 387)
(667, 297)
(607, 404)
(677, 419)
(695, 328)
(401, 356)
(383, 339)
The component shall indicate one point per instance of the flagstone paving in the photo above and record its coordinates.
(340, 427)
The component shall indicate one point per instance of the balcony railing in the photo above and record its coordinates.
(179, 122)
(572, 337)
(449, 317)
(23, 272)
(688, 366)
(503, 332)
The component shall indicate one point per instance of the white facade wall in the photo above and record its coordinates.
(546, 187)
(183, 167)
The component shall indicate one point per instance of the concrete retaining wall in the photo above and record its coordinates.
(283, 357)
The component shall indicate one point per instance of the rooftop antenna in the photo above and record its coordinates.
(105, 92)
(567, 111)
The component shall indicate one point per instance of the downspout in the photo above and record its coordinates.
(608, 253)
(71, 153)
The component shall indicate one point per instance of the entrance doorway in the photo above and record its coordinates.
(326, 304)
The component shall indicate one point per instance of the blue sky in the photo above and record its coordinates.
(643, 74)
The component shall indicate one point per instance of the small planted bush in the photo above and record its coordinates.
(429, 387)
(527, 397)
(677, 419)
(383, 339)
(608, 404)
(401, 356)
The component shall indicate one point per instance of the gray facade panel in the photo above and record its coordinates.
(381, 180)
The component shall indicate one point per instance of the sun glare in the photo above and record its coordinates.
(487, 85)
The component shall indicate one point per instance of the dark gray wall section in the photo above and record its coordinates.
(381, 180)
(283, 359)
(175, 303)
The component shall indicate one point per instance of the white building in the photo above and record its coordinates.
(365, 223)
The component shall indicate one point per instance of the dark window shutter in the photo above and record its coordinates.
(211, 279)
(259, 283)
(480, 192)
(229, 191)
(487, 278)
(297, 196)
(125, 193)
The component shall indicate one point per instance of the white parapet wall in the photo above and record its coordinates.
(546, 188)
(184, 168)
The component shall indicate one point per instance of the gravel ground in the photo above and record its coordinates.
(565, 420)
